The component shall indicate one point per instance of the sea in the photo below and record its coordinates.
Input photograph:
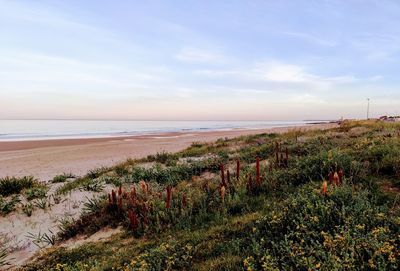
(20, 130)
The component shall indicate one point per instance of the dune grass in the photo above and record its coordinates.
(13, 185)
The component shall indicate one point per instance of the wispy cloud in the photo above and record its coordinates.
(283, 74)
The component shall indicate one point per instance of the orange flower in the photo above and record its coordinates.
(336, 180)
(144, 186)
(324, 188)
(222, 191)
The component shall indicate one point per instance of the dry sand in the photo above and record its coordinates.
(46, 158)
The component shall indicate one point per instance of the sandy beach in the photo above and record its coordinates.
(46, 158)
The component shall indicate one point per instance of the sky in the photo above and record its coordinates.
(199, 60)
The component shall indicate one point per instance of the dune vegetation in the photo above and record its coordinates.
(302, 200)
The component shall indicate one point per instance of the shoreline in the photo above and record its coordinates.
(46, 158)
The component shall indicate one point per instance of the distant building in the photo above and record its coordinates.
(390, 118)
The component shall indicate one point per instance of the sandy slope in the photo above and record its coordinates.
(45, 159)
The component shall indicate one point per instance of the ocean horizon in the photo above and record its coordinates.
(24, 130)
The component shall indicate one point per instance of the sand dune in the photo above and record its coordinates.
(46, 158)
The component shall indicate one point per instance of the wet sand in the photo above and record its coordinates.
(46, 158)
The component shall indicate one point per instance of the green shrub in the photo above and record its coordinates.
(62, 178)
(8, 206)
(28, 209)
(175, 174)
(14, 185)
(3, 255)
(347, 229)
(163, 158)
(95, 173)
(318, 167)
(38, 191)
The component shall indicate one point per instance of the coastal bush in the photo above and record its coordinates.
(8, 206)
(121, 170)
(75, 184)
(248, 153)
(115, 180)
(14, 185)
(3, 254)
(95, 173)
(163, 158)
(38, 191)
(92, 185)
(42, 240)
(62, 177)
(196, 149)
(174, 174)
(383, 158)
(345, 229)
(93, 205)
(28, 209)
(318, 166)
(41, 203)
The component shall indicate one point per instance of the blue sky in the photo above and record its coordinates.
(270, 60)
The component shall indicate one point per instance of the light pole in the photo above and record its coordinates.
(367, 108)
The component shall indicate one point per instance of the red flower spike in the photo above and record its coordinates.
(184, 201)
(341, 174)
(258, 178)
(169, 197)
(133, 219)
(114, 197)
(120, 191)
